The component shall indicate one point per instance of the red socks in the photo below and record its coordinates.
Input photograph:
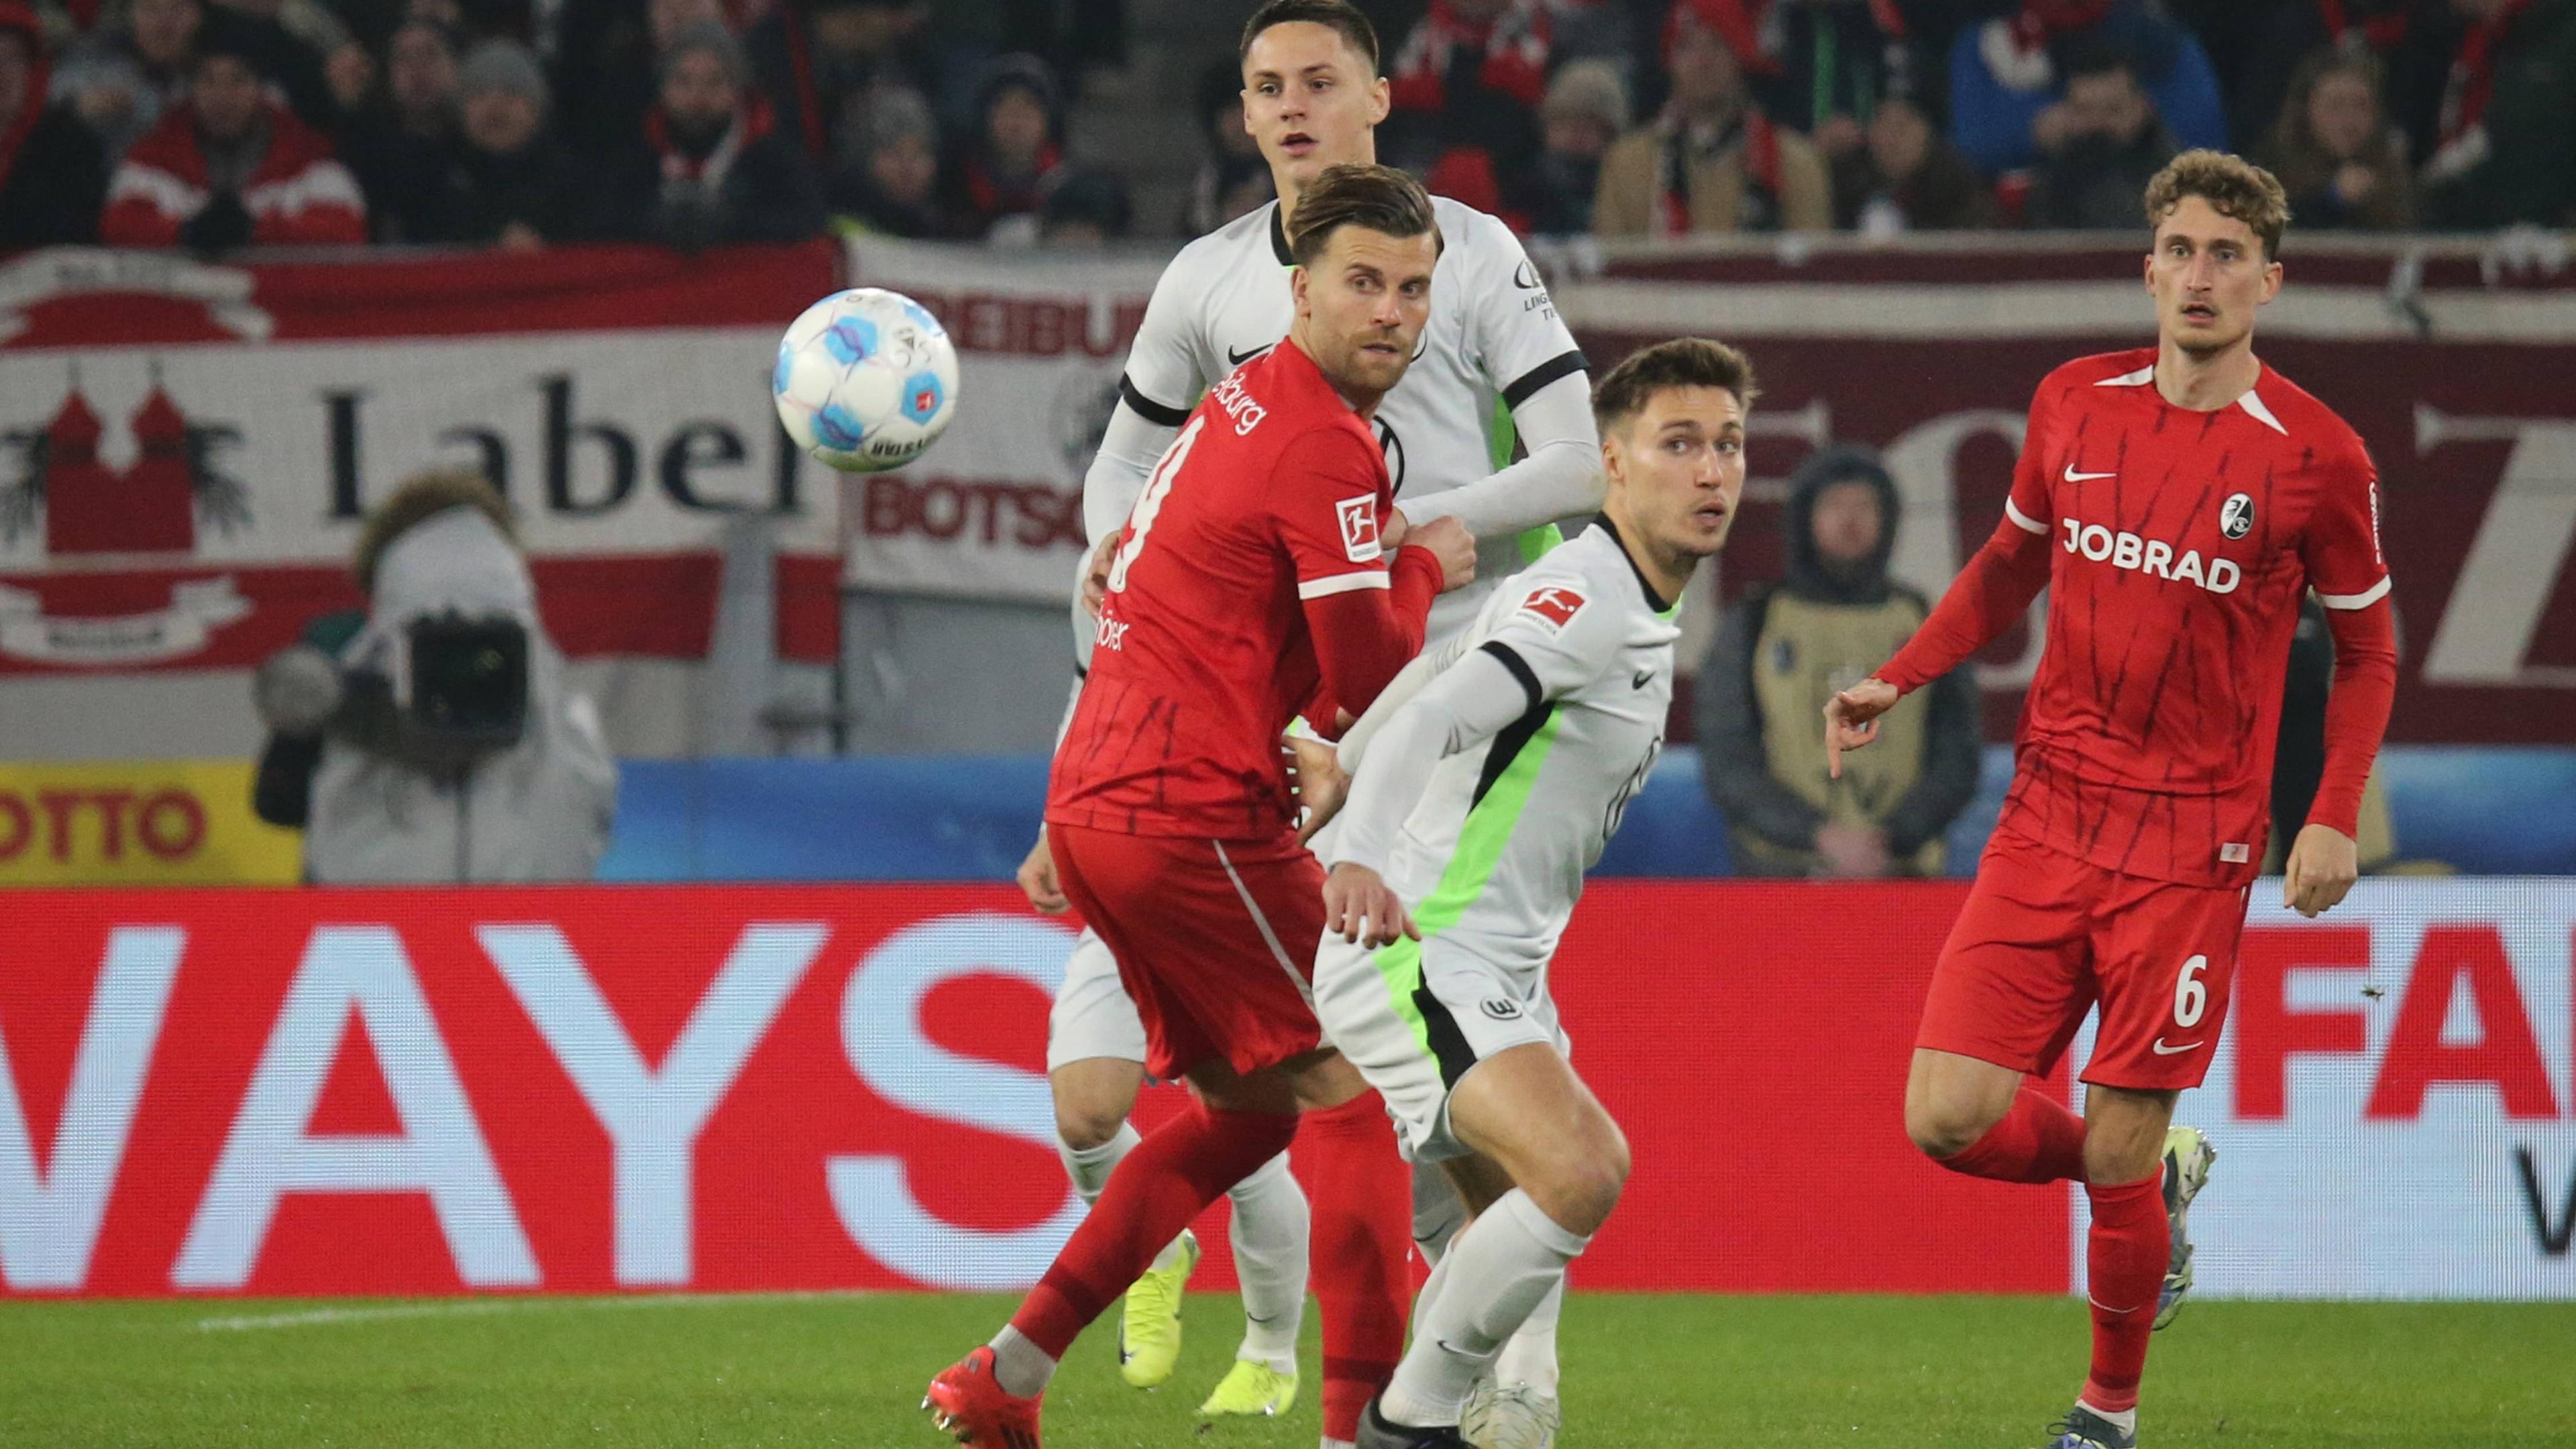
(1167, 1180)
(2037, 1141)
(2126, 1256)
(1363, 1230)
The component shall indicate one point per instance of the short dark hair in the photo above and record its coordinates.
(2232, 185)
(1340, 15)
(1379, 198)
(1624, 391)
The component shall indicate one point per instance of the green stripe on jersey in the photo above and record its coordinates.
(1488, 829)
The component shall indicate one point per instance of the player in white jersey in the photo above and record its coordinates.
(1488, 779)
(1312, 98)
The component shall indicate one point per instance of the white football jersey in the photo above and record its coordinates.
(1488, 845)
(1494, 336)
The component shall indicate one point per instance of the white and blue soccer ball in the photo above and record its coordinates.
(866, 380)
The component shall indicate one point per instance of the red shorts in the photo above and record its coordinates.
(1215, 939)
(2044, 936)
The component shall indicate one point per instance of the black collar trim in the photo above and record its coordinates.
(1654, 601)
(1279, 236)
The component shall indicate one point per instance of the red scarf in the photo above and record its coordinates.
(989, 197)
(40, 71)
(1514, 47)
(1761, 164)
(754, 120)
(2382, 32)
(2472, 80)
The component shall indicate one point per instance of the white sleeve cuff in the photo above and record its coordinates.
(1343, 583)
(2362, 600)
(2021, 520)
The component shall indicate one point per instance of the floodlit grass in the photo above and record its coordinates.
(1639, 1370)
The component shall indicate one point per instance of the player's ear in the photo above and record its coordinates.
(2271, 282)
(1297, 287)
(1381, 100)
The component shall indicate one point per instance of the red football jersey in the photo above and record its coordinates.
(1272, 495)
(2181, 543)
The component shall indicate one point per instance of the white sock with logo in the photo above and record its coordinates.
(1089, 1167)
(1511, 1257)
(1530, 1357)
(1270, 1230)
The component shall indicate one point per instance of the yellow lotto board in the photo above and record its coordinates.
(139, 822)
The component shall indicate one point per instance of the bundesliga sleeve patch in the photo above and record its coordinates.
(1553, 607)
(1359, 529)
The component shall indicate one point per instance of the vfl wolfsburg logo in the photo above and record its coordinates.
(2236, 515)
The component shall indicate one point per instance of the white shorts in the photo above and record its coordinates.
(1414, 1016)
(1093, 1015)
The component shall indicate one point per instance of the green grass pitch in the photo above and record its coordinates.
(1639, 1370)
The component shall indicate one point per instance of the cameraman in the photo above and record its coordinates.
(432, 740)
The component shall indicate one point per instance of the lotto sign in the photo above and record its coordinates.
(147, 822)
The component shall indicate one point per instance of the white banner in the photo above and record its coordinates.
(995, 510)
(2394, 1107)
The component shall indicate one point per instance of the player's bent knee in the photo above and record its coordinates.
(1579, 1193)
(1084, 1127)
(1945, 1129)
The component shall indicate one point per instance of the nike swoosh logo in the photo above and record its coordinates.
(1643, 675)
(2169, 1051)
(1240, 358)
(2074, 477)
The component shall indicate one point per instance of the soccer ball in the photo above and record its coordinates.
(866, 380)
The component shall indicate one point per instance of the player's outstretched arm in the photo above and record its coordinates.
(1560, 477)
(1987, 597)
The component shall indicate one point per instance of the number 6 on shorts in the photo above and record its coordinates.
(2190, 997)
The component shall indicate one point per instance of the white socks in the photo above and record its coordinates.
(1530, 1357)
(1270, 1234)
(1509, 1259)
(1019, 1366)
(2126, 1421)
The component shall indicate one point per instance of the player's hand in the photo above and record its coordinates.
(1095, 579)
(1851, 719)
(2322, 866)
(1853, 851)
(1360, 906)
(1450, 543)
(1038, 879)
(1317, 780)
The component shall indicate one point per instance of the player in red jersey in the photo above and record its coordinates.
(1251, 573)
(2178, 502)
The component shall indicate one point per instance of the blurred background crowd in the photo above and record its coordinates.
(214, 124)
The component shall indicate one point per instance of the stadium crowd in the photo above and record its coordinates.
(213, 124)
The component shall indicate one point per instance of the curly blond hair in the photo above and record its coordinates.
(2232, 185)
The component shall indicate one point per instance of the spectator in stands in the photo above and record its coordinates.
(2109, 146)
(1908, 177)
(1825, 63)
(433, 739)
(1083, 209)
(1233, 179)
(2508, 115)
(1713, 161)
(52, 175)
(2343, 165)
(404, 148)
(2008, 78)
(228, 167)
(293, 42)
(608, 62)
(1002, 172)
(1464, 90)
(513, 185)
(121, 79)
(1781, 652)
(2250, 46)
(716, 168)
(1585, 111)
(819, 60)
(894, 189)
